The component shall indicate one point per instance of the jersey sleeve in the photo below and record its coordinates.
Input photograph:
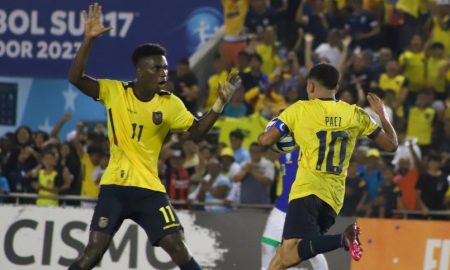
(105, 88)
(181, 119)
(289, 116)
(368, 126)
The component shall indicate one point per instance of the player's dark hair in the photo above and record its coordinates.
(146, 50)
(326, 75)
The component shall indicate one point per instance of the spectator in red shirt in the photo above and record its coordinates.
(178, 180)
(406, 178)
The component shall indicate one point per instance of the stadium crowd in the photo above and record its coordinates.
(399, 50)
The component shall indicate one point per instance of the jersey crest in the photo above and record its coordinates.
(157, 117)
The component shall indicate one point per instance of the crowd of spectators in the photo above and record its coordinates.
(399, 50)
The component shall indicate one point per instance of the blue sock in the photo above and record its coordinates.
(308, 248)
(191, 265)
(74, 266)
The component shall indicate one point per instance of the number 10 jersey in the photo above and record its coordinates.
(326, 131)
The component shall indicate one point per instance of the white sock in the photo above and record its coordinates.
(267, 253)
(319, 262)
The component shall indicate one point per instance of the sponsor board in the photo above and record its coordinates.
(404, 245)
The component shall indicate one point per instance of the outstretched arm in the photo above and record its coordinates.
(387, 138)
(226, 91)
(93, 28)
(309, 62)
(55, 131)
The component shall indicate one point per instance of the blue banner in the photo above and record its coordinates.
(40, 103)
(39, 38)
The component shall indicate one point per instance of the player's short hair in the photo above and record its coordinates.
(326, 75)
(146, 50)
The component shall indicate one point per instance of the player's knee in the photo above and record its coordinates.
(176, 248)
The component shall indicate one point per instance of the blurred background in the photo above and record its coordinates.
(398, 49)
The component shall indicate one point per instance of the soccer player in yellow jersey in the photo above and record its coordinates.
(140, 115)
(326, 130)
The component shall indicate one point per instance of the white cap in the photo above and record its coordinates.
(71, 135)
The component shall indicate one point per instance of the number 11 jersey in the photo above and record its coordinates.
(326, 131)
(136, 131)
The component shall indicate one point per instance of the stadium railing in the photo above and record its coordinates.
(18, 196)
(405, 214)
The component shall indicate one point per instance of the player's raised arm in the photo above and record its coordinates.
(387, 138)
(226, 91)
(93, 28)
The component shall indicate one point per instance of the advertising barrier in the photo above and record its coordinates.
(46, 238)
(404, 245)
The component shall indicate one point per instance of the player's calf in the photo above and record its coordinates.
(97, 246)
(308, 248)
(288, 255)
(174, 245)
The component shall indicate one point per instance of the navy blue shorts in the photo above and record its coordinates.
(149, 209)
(308, 217)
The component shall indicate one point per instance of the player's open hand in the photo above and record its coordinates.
(377, 105)
(93, 25)
(227, 89)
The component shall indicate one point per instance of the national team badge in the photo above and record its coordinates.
(157, 117)
(103, 222)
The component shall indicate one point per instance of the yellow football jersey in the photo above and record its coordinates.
(420, 124)
(415, 69)
(213, 84)
(395, 84)
(88, 186)
(432, 76)
(136, 132)
(326, 131)
(234, 12)
(251, 126)
(48, 181)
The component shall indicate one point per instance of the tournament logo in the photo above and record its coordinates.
(201, 25)
(103, 222)
(157, 117)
